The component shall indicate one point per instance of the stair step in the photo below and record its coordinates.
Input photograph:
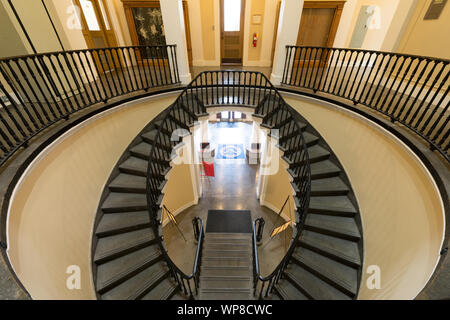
(332, 205)
(225, 282)
(329, 187)
(287, 291)
(341, 250)
(128, 183)
(149, 136)
(117, 271)
(225, 262)
(335, 273)
(313, 286)
(324, 169)
(317, 153)
(113, 247)
(223, 241)
(124, 202)
(223, 294)
(227, 246)
(141, 150)
(342, 227)
(210, 253)
(140, 284)
(163, 291)
(135, 166)
(115, 223)
(230, 271)
(228, 236)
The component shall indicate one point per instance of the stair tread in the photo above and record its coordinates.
(329, 184)
(162, 291)
(331, 204)
(150, 135)
(124, 180)
(341, 225)
(121, 268)
(335, 247)
(138, 284)
(114, 222)
(135, 164)
(142, 148)
(323, 168)
(117, 243)
(317, 151)
(315, 287)
(117, 201)
(288, 291)
(340, 274)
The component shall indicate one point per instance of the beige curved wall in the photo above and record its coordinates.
(402, 213)
(52, 213)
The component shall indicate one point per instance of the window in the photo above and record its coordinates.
(232, 15)
(89, 14)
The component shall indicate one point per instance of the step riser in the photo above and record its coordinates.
(114, 232)
(329, 193)
(331, 213)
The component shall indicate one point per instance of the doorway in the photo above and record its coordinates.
(318, 26)
(231, 31)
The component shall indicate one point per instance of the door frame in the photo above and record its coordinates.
(241, 30)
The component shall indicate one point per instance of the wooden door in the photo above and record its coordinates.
(231, 31)
(275, 31)
(318, 26)
(97, 30)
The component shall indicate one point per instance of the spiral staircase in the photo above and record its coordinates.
(129, 256)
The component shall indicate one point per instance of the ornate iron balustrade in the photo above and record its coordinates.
(37, 91)
(411, 90)
(237, 88)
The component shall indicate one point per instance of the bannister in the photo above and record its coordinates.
(411, 90)
(37, 91)
(184, 280)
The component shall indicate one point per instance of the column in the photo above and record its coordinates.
(173, 19)
(289, 22)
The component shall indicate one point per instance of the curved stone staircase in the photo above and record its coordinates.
(327, 262)
(128, 251)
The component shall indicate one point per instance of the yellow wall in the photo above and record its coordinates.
(179, 191)
(52, 212)
(402, 214)
(427, 37)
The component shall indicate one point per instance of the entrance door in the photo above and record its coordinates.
(231, 33)
(97, 29)
(318, 26)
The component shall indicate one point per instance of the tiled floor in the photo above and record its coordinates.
(233, 188)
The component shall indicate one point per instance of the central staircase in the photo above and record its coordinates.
(226, 272)
(129, 258)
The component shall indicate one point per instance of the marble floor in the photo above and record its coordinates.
(232, 188)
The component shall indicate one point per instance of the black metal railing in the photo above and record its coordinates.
(411, 90)
(189, 284)
(221, 88)
(37, 91)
